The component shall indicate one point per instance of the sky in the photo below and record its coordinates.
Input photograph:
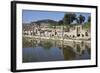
(32, 15)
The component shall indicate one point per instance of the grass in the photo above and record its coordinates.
(87, 26)
(27, 43)
(47, 44)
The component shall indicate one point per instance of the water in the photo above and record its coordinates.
(39, 50)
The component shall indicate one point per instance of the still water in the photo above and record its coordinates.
(39, 50)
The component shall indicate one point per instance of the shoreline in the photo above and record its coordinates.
(58, 39)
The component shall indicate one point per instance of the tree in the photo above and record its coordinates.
(77, 20)
(89, 19)
(69, 18)
(87, 25)
(60, 22)
(81, 19)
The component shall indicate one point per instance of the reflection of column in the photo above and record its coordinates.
(80, 48)
(55, 44)
(68, 53)
(88, 47)
(62, 44)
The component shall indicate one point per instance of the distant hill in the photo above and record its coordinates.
(45, 21)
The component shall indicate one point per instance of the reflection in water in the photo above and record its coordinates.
(38, 50)
(68, 53)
